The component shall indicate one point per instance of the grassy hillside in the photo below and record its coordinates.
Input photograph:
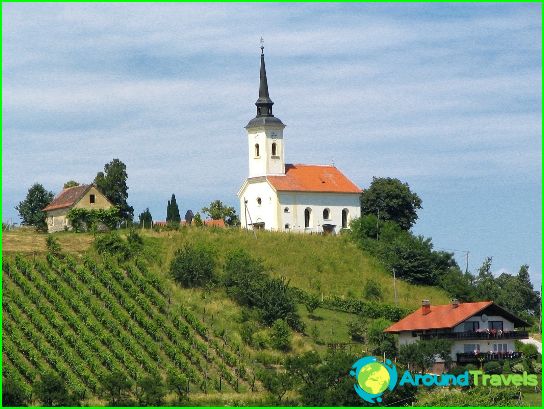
(86, 316)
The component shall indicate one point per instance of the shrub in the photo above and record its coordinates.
(15, 393)
(492, 367)
(150, 391)
(312, 303)
(457, 370)
(53, 244)
(518, 368)
(507, 368)
(280, 336)
(357, 328)
(112, 243)
(372, 291)
(471, 367)
(193, 266)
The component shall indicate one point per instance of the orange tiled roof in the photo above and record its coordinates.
(214, 223)
(441, 316)
(313, 178)
(67, 198)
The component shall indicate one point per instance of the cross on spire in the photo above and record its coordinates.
(262, 45)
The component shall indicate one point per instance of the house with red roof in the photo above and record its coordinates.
(480, 331)
(81, 196)
(290, 197)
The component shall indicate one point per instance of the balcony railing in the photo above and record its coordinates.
(484, 334)
(468, 357)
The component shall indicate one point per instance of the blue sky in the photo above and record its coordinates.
(446, 97)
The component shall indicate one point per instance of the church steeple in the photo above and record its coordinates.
(264, 103)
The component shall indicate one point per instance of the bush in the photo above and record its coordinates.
(372, 291)
(280, 336)
(193, 266)
(518, 368)
(53, 244)
(357, 329)
(15, 393)
(492, 367)
(112, 243)
(312, 303)
(471, 367)
(507, 368)
(150, 391)
(457, 370)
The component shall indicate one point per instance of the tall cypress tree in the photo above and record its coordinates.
(169, 212)
(174, 210)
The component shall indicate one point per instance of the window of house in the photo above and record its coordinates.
(496, 325)
(91, 198)
(468, 348)
(257, 153)
(326, 214)
(345, 214)
(307, 217)
(286, 210)
(500, 347)
(471, 326)
(259, 201)
(274, 149)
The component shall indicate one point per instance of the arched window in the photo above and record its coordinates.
(259, 201)
(274, 149)
(287, 226)
(345, 214)
(326, 214)
(286, 210)
(307, 217)
(257, 154)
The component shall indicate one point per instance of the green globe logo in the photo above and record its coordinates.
(374, 378)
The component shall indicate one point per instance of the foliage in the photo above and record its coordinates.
(277, 383)
(14, 393)
(312, 302)
(116, 389)
(380, 342)
(189, 216)
(30, 209)
(492, 367)
(420, 355)
(172, 211)
(367, 309)
(150, 391)
(177, 382)
(145, 219)
(280, 336)
(112, 243)
(51, 390)
(70, 183)
(479, 396)
(458, 284)
(372, 291)
(52, 244)
(197, 220)
(90, 219)
(218, 211)
(394, 200)
(193, 266)
(357, 329)
(113, 184)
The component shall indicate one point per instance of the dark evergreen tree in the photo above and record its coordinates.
(174, 210)
(189, 216)
(168, 212)
(113, 184)
(146, 220)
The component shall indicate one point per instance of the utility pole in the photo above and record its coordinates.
(466, 256)
(395, 285)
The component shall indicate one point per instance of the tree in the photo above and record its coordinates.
(421, 355)
(189, 217)
(280, 336)
(70, 183)
(177, 382)
(172, 211)
(458, 284)
(30, 209)
(218, 211)
(277, 383)
(150, 391)
(14, 393)
(393, 199)
(312, 302)
(198, 220)
(146, 220)
(193, 266)
(113, 184)
(380, 342)
(51, 390)
(486, 288)
(116, 389)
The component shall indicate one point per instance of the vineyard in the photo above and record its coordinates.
(86, 318)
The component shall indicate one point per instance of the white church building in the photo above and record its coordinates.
(290, 197)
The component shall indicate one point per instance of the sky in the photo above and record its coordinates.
(445, 97)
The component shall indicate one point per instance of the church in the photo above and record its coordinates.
(290, 197)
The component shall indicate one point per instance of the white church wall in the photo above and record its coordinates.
(266, 163)
(265, 212)
(317, 202)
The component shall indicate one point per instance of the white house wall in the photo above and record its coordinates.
(297, 202)
(266, 212)
(506, 325)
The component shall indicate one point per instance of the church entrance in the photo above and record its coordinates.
(258, 226)
(328, 229)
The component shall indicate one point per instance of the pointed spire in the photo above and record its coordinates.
(264, 103)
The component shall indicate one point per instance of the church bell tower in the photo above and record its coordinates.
(265, 134)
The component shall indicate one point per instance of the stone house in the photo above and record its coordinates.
(82, 196)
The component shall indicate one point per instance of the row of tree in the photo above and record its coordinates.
(388, 211)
